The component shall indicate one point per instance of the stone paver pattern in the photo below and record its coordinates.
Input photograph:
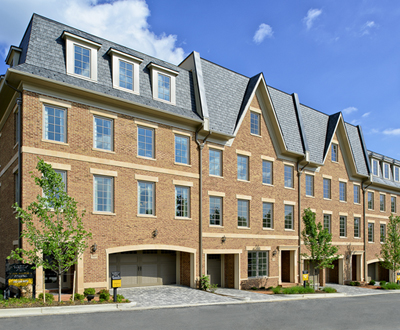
(355, 291)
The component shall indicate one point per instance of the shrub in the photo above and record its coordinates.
(104, 295)
(357, 283)
(277, 290)
(390, 286)
(262, 288)
(253, 288)
(89, 291)
(120, 298)
(352, 283)
(328, 289)
(78, 296)
(372, 282)
(205, 283)
(49, 297)
(382, 283)
(213, 287)
(298, 290)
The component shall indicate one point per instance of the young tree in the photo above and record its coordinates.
(52, 227)
(318, 242)
(390, 249)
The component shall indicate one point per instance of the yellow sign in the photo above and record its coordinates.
(116, 283)
(305, 277)
(20, 281)
(398, 277)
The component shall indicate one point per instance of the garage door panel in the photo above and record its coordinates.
(149, 274)
(129, 275)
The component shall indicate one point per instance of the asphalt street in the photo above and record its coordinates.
(369, 312)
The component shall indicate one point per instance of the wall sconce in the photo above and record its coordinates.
(274, 253)
(93, 248)
(347, 256)
(223, 239)
(155, 233)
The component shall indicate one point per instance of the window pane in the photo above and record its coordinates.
(267, 215)
(82, 61)
(382, 202)
(370, 200)
(255, 123)
(327, 222)
(288, 217)
(393, 204)
(327, 188)
(288, 176)
(103, 187)
(382, 233)
(181, 149)
(182, 202)
(343, 225)
(215, 211)
(215, 162)
(164, 87)
(54, 124)
(145, 142)
(342, 191)
(309, 185)
(125, 75)
(334, 154)
(267, 172)
(257, 263)
(243, 169)
(146, 198)
(103, 133)
(356, 227)
(370, 232)
(243, 213)
(356, 194)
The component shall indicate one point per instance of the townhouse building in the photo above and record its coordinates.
(184, 170)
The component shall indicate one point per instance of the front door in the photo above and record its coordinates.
(285, 266)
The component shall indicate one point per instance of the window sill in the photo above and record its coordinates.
(146, 216)
(309, 196)
(371, 242)
(164, 101)
(342, 236)
(357, 237)
(327, 199)
(103, 213)
(268, 184)
(238, 227)
(126, 90)
(370, 209)
(335, 161)
(241, 180)
(183, 164)
(342, 201)
(147, 158)
(103, 150)
(182, 218)
(81, 77)
(15, 145)
(268, 229)
(290, 188)
(55, 142)
(216, 226)
(382, 211)
(256, 135)
(216, 176)
(289, 229)
(357, 203)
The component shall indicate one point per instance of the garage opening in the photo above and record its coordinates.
(146, 267)
(377, 273)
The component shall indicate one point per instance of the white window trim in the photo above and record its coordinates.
(373, 167)
(44, 123)
(70, 41)
(186, 186)
(333, 145)
(258, 114)
(384, 171)
(157, 69)
(221, 198)
(99, 173)
(220, 151)
(394, 172)
(153, 215)
(94, 133)
(188, 148)
(149, 127)
(117, 56)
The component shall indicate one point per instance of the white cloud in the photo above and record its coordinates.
(124, 22)
(264, 30)
(365, 115)
(349, 110)
(391, 131)
(312, 14)
(366, 28)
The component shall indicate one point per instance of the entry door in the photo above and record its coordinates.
(285, 266)
(354, 268)
(214, 268)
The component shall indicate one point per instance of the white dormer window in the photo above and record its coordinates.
(375, 167)
(125, 71)
(396, 173)
(81, 55)
(163, 81)
(386, 171)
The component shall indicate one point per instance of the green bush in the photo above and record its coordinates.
(120, 298)
(253, 288)
(372, 282)
(358, 283)
(89, 291)
(104, 295)
(382, 283)
(328, 289)
(298, 290)
(262, 288)
(78, 296)
(49, 297)
(390, 286)
(277, 290)
(205, 283)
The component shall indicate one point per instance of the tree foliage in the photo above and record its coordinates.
(390, 249)
(52, 227)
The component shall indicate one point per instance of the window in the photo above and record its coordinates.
(146, 198)
(215, 162)
(375, 167)
(82, 61)
(309, 185)
(267, 172)
(370, 232)
(356, 194)
(103, 133)
(216, 211)
(257, 263)
(396, 173)
(382, 233)
(342, 191)
(386, 171)
(125, 75)
(357, 227)
(343, 226)
(370, 200)
(288, 216)
(327, 222)
(327, 188)
(182, 202)
(145, 142)
(163, 83)
(288, 176)
(254, 123)
(393, 204)
(55, 124)
(382, 202)
(243, 213)
(243, 167)
(164, 87)
(103, 194)
(334, 152)
(267, 215)
(181, 149)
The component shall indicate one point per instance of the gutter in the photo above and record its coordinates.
(364, 189)
(19, 137)
(201, 146)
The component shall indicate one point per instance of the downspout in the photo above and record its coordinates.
(364, 189)
(201, 146)
(19, 137)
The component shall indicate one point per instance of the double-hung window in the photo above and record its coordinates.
(375, 167)
(242, 167)
(55, 124)
(267, 215)
(309, 185)
(82, 61)
(393, 204)
(356, 189)
(215, 162)
(327, 222)
(181, 149)
(370, 200)
(215, 211)
(288, 216)
(146, 198)
(396, 174)
(103, 133)
(63, 175)
(145, 142)
(342, 191)
(288, 176)
(163, 83)
(382, 233)
(257, 263)
(182, 202)
(267, 172)
(243, 213)
(334, 152)
(343, 226)
(382, 202)
(357, 227)
(386, 171)
(327, 188)
(164, 87)
(254, 123)
(125, 75)
(103, 193)
(370, 232)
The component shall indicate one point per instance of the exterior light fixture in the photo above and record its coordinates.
(155, 233)
(223, 239)
(93, 248)
(274, 253)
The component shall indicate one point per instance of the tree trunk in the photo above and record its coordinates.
(59, 284)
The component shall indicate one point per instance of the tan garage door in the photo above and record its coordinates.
(144, 268)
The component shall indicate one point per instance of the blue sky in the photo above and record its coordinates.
(336, 55)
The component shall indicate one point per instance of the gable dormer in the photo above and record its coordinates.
(163, 82)
(13, 56)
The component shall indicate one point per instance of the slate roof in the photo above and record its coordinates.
(380, 179)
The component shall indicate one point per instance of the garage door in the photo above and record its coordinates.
(144, 268)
